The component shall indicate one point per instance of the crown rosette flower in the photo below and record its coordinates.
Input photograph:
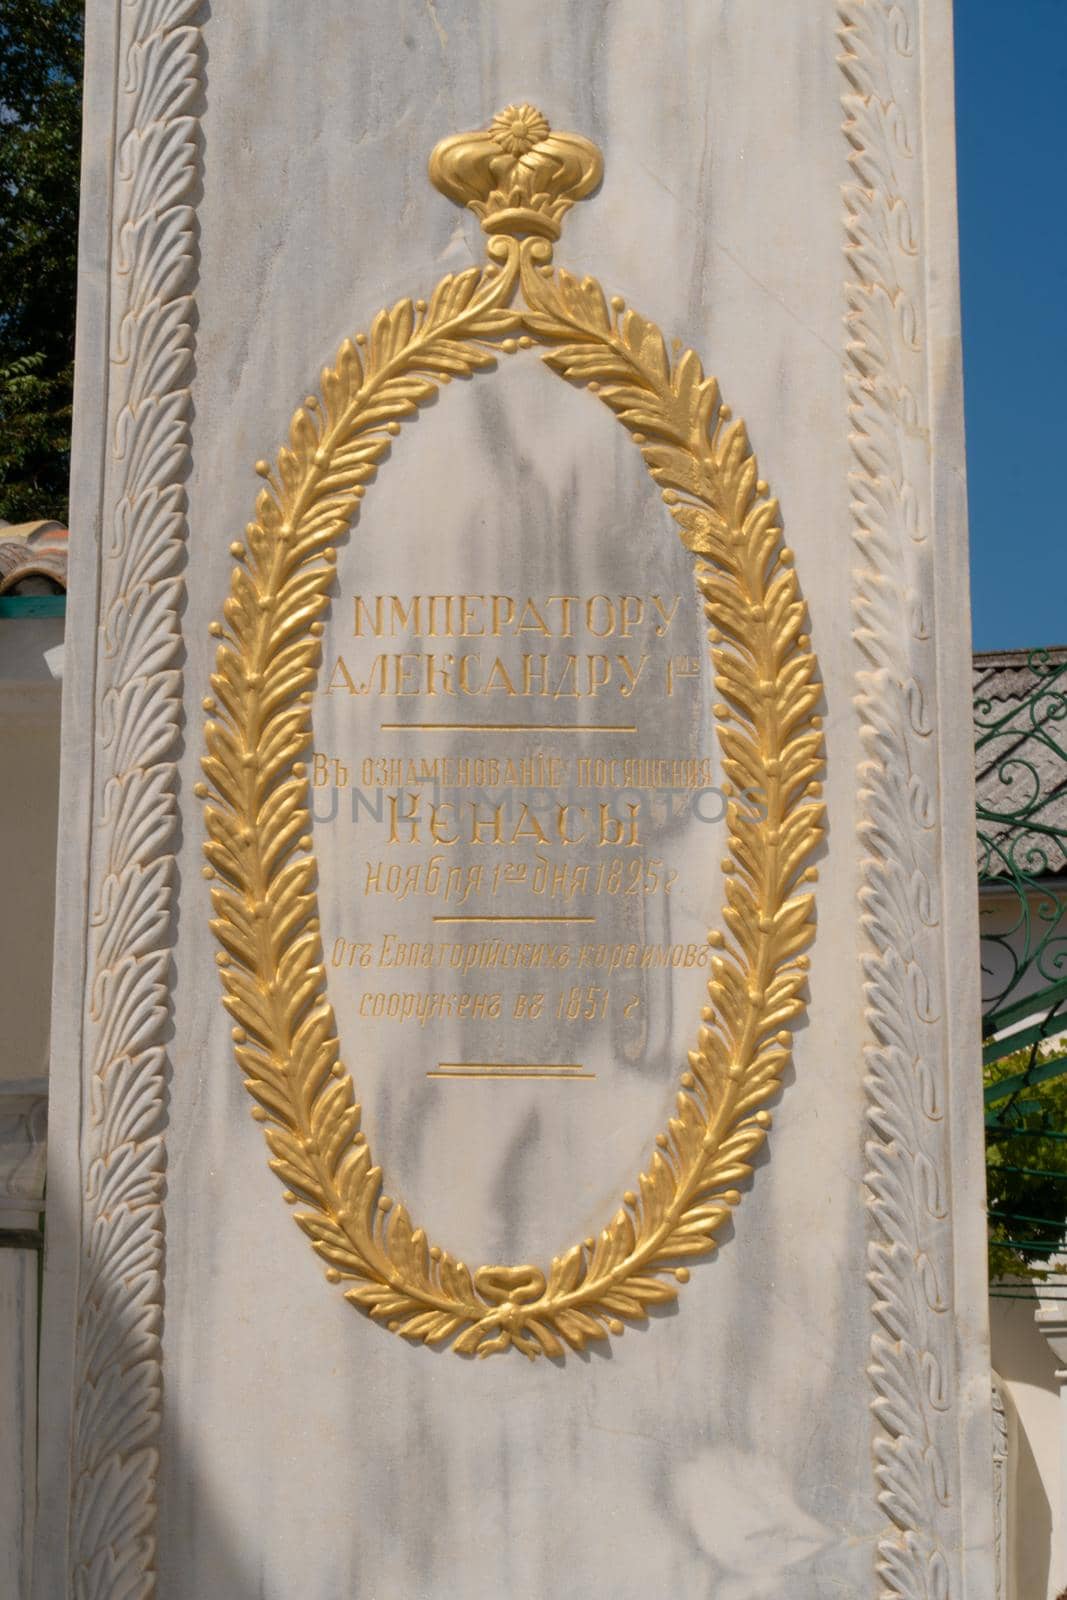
(518, 176)
(517, 129)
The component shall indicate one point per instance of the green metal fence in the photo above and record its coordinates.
(1020, 714)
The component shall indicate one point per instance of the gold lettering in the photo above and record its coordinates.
(668, 616)
(591, 611)
(410, 817)
(503, 613)
(528, 827)
(380, 666)
(341, 678)
(560, 692)
(598, 674)
(614, 831)
(565, 601)
(498, 670)
(628, 688)
(467, 616)
(403, 666)
(446, 603)
(464, 674)
(528, 666)
(374, 627)
(562, 828)
(400, 620)
(632, 609)
(494, 821)
(444, 671)
(437, 811)
(538, 625)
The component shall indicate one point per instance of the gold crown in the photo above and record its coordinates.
(517, 176)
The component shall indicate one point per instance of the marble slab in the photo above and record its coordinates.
(810, 1413)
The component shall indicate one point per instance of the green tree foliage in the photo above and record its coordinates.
(1026, 1168)
(40, 135)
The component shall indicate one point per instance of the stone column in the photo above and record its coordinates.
(237, 1404)
(1005, 1504)
(23, 1116)
(1051, 1318)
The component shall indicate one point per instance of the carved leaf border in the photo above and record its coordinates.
(117, 1356)
(913, 1361)
(259, 848)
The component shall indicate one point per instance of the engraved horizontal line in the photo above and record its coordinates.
(516, 1070)
(511, 1066)
(510, 727)
(516, 919)
(519, 1077)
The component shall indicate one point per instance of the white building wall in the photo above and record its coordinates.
(1037, 1537)
(29, 797)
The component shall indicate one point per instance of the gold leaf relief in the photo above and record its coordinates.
(259, 725)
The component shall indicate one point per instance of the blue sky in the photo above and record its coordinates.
(1011, 105)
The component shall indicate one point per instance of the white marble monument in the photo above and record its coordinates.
(517, 748)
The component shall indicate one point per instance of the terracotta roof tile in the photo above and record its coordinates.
(33, 558)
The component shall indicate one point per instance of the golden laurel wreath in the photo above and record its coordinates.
(519, 177)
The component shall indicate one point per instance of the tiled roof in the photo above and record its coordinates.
(1020, 717)
(33, 558)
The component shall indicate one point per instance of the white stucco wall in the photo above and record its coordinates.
(29, 799)
(1020, 1353)
(1026, 1365)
